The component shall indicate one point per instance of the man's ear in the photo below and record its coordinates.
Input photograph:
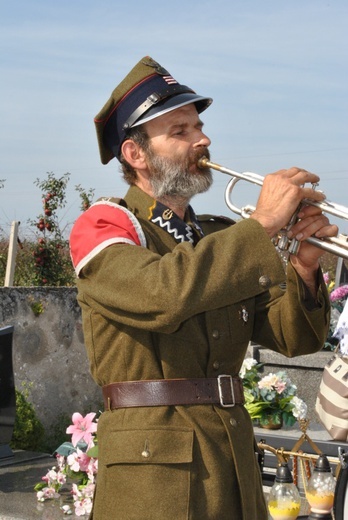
(133, 154)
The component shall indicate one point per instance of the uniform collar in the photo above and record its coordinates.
(146, 207)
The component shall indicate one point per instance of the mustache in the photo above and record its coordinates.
(198, 154)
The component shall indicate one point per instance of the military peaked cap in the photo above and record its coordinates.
(148, 91)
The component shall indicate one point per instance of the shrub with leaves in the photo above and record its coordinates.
(52, 265)
(28, 432)
(85, 196)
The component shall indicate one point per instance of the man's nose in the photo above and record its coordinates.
(202, 140)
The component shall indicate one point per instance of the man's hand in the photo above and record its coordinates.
(312, 223)
(281, 195)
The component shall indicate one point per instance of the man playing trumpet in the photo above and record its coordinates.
(170, 302)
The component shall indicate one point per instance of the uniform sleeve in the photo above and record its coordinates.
(286, 324)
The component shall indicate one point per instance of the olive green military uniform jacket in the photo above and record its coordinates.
(175, 310)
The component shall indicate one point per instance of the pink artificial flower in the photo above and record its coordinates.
(54, 477)
(280, 387)
(47, 493)
(83, 507)
(78, 461)
(92, 469)
(83, 499)
(326, 277)
(82, 428)
(339, 293)
(60, 462)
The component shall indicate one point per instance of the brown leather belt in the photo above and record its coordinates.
(225, 390)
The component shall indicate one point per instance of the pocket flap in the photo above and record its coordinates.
(147, 446)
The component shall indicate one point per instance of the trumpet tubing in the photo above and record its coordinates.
(335, 245)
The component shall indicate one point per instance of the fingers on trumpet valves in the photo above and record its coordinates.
(327, 231)
(312, 225)
(308, 210)
(303, 176)
(302, 183)
(311, 193)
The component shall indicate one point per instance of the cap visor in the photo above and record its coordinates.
(172, 103)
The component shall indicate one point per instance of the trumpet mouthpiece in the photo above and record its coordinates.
(202, 162)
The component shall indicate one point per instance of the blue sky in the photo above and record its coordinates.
(277, 72)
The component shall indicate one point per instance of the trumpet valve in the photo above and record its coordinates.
(281, 241)
(294, 247)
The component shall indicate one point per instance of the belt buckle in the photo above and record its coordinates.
(221, 397)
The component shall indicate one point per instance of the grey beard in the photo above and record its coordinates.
(172, 178)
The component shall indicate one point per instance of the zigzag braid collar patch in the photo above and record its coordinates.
(181, 231)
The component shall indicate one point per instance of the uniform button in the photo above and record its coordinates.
(233, 422)
(265, 281)
(216, 365)
(146, 452)
(215, 334)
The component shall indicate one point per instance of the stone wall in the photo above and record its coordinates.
(48, 350)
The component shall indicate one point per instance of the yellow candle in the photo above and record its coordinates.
(285, 510)
(320, 502)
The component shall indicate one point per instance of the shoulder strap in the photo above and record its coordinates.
(212, 223)
(216, 218)
(115, 200)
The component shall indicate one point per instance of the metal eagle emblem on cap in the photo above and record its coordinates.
(158, 68)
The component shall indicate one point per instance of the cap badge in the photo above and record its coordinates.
(158, 68)
(167, 214)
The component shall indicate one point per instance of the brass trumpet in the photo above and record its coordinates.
(335, 245)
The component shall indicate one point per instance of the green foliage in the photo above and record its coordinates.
(37, 307)
(272, 397)
(28, 433)
(52, 264)
(85, 196)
